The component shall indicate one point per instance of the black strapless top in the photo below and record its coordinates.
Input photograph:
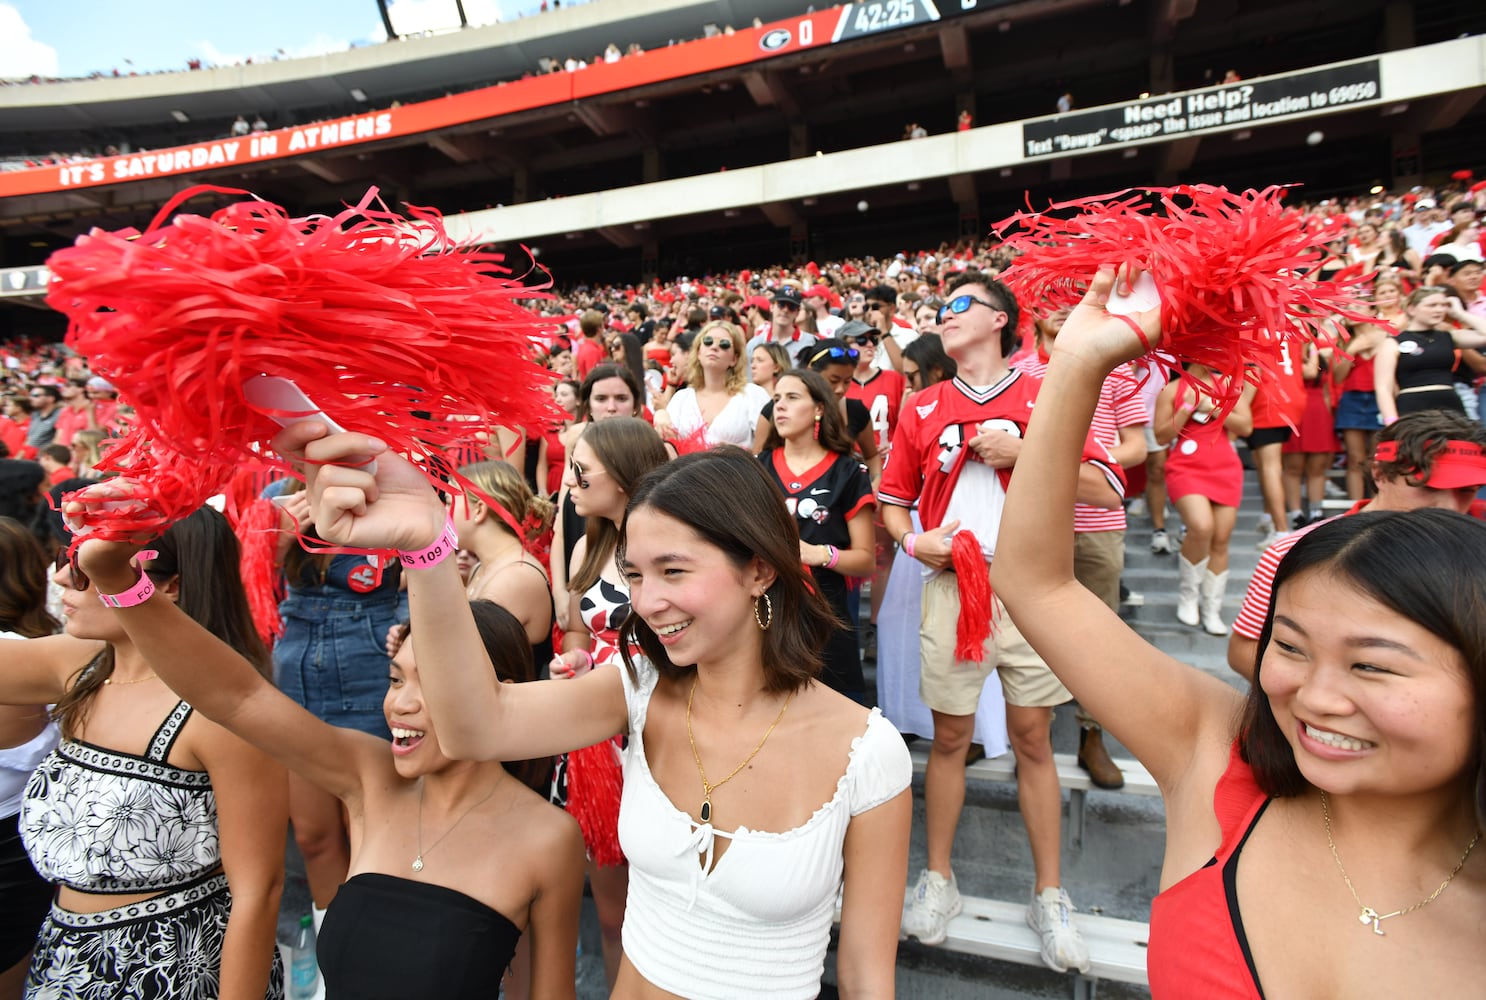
(393, 938)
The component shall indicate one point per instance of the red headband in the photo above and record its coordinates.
(1460, 464)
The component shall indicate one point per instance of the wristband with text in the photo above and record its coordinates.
(142, 590)
(444, 547)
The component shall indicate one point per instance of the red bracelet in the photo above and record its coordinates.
(444, 547)
(142, 591)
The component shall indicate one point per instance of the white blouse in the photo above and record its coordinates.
(736, 423)
(758, 924)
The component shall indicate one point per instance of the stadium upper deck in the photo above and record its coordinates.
(559, 152)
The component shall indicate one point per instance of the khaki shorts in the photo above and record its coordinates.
(1098, 559)
(953, 686)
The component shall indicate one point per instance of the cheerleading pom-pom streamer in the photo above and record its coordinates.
(1229, 269)
(379, 319)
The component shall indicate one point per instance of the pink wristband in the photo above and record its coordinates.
(444, 547)
(139, 593)
(833, 556)
(1389, 421)
(908, 541)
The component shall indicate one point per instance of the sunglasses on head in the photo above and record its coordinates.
(721, 342)
(962, 303)
(836, 352)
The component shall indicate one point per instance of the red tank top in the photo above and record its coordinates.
(1197, 943)
(1360, 378)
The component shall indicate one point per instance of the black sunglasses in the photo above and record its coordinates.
(836, 352)
(862, 339)
(962, 303)
(579, 474)
(722, 342)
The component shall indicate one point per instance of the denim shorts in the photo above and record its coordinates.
(332, 657)
(1358, 411)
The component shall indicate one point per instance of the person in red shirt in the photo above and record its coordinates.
(590, 351)
(1277, 408)
(55, 459)
(75, 415)
(953, 454)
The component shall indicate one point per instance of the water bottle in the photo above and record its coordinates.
(304, 971)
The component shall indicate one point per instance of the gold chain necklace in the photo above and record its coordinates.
(1366, 914)
(707, 787)
(418, 861)
(138, 680)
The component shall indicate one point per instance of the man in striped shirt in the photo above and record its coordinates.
(1435, 458)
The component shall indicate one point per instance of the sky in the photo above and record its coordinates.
(78, 37)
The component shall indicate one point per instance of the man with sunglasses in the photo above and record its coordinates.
(783, 328)
(882, 313)
(952, 455)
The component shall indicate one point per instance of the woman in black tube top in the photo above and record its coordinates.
(460, 857)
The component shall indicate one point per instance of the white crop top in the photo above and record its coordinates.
(759, 923)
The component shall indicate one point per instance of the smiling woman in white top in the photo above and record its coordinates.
(752, 793)
(718, 397)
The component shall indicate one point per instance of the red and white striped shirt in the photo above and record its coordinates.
(1119, 406)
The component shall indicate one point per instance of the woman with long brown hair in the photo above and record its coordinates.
(162, 830)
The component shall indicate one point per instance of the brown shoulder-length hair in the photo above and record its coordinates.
(627, 448)
(832, 428)
(200, 551)
(23, 573)
(1426, 565)
(727, 498)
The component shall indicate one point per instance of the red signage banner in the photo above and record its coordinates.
(687, 59)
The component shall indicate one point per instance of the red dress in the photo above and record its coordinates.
(1197, 943)
(1203, 461)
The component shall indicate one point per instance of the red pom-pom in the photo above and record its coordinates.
(974, 625)
(693, 442)
(257, 528)
(375, 316)
(595, 781)
(1229, 268)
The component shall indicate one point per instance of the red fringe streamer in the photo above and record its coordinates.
(595, 781)
(1228, 267)
(375, 316)
(258, 531)
(974, 625)
(694, 442)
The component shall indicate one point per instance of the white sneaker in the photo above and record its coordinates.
(1051, 914)
(1271, 538)
(1266, 524)
(1161, 543)
(1137, 508)
(929, 908)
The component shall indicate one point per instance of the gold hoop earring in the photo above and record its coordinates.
(766, 619)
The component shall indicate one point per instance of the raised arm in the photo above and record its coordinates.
(39, 671)
(478, 718)
(1471, 331)
(1161, 709)
(223, 686)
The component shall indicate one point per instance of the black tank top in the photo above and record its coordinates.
(390, 938)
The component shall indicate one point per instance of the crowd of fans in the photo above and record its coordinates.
(814, 367)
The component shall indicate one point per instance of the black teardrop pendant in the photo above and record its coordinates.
(706, 811)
